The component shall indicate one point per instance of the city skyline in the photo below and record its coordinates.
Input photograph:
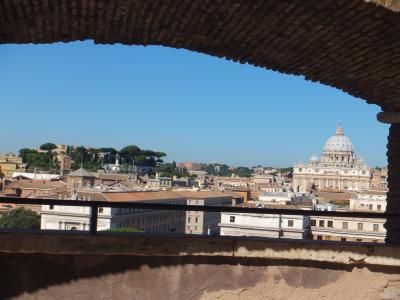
(192, 106)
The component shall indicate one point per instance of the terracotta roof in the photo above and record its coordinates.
(94, 196)
(270, 206)
(164, 195)
(31, 184)
(203, 194)
(107, 176)
(142, 196)
(81, 172)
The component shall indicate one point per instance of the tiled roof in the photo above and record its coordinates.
(142, 196)
(164, 195)
(81, 172)
(93, 196)
(30, 184)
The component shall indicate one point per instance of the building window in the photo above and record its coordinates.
(358, 240)
(345, 225)
(321, 223)
(330, 223)
(189, 219)
(371, 207)
(232, 219)
(290, 223)
(360, 226)
(51, 207)
(197, 220)
(376, 227)
(101, 210)
(343, 239)
(319, 237)
(313, 222)
(379, 207)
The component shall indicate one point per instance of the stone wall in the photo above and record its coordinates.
(38, 276)
(75, 266)
(352, 45)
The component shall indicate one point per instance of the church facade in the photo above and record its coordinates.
(338, 169)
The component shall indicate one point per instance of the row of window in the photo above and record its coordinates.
(190, 220)
(371, 206)
(345, 225)
(337, 172)
(290, 223)
(191, 228)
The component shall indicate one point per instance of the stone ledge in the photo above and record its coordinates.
(176, 245)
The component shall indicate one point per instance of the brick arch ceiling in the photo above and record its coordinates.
(353, 45)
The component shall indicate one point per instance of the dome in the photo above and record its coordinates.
(360, 160)
(339, 142)
(314, 158)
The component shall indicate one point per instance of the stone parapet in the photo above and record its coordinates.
(189, 246)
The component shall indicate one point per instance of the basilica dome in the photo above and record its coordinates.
(339, 142)
(314, 158)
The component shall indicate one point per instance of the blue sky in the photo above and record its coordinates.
(189, 105)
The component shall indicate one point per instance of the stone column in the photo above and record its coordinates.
(393, 197)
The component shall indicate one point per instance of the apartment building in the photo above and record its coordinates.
(10, 163)
(348, 229)
(351, 229)
(206, 223)
(77, 218)
(265, 225)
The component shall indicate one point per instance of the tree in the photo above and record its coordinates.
(243, 172)
(20, 218)
(26, 153)
(129, 154)
(48, 147)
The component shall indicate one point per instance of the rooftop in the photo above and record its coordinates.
(81, 172)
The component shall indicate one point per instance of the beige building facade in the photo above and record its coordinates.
(348, 229)
(338, 169)
(10, 163)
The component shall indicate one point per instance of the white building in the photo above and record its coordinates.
(205, 223)
(263, 179)
(264, 225)
(55, 217)
(369, 200)
(35, 176)
(281, 198)
(339, 168)
(349, 229)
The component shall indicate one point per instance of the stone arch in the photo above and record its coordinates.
(352, 45)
